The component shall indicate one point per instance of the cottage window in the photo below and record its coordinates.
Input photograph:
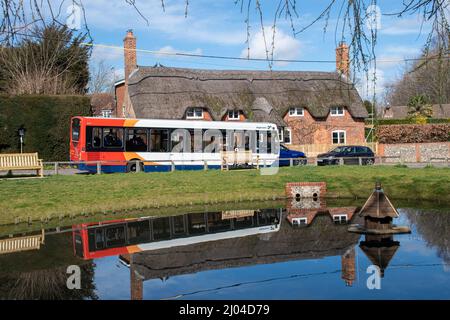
(338, 136)
(296, 112)
(194, 113)
(233, 115)
(340, 218)
(300, 221)
(337, 111)
(106, 113)
(287, 136)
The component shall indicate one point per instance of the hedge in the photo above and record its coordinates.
(46, 120)
(406, 121)
(413, 133)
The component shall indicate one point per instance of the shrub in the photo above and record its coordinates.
(413, 133)
(46, 120)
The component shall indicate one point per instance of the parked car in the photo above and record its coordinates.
(286, 154)
(350, 155)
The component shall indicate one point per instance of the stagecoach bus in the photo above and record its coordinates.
(116, 237)
(159, 145)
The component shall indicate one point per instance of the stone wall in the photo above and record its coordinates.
(415, 152)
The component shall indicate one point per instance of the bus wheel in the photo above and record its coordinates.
(131, 166)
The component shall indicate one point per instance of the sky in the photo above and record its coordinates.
(219, 28)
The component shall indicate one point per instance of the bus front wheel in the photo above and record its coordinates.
(132, 165)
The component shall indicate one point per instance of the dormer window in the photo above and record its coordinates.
(233, 115)
(194, 113)
(296, 112)
(337, 111)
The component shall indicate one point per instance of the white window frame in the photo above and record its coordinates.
(337, 111)
(340, 218)
(287, 130)
(281, 134)
(106, 113)
(338, 133)
(297, 112)
(303, 221)
(233, 115)
(194, 116)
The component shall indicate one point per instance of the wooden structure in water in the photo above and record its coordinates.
(378, 213)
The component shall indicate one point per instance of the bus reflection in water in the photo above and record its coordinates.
(117, 237)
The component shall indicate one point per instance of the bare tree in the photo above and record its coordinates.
(51, 63)
(102, 77)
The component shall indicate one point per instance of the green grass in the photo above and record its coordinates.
(66, 196)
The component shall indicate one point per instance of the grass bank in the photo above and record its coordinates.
(63, 196)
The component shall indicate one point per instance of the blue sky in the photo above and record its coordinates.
(218, 28)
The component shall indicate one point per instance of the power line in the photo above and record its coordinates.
(220, 57)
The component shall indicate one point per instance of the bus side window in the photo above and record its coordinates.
(96, 137)
(136, 140)
(159, 140)
(113, 138)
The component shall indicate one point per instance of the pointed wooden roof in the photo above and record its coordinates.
(380, 255)
(378, 205)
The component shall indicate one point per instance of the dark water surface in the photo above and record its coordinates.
(235, 254)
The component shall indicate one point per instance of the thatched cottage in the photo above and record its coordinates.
(308, 107)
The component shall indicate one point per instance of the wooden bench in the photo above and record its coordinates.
(22, 244)
(22, 161)
(235, 158)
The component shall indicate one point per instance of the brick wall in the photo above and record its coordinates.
(308, 130)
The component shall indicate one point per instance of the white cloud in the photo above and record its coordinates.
(170, 51)
(285, 46)
(404, 26)
(392, 56)
(372, 83)
(117, 16)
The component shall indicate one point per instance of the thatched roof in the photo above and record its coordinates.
(102, 101)
(322, 238)
(166, 93)
(440, 111)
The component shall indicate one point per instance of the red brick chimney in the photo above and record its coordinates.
(129, 47)
(343, 59)
(348, 267)
(130, 64)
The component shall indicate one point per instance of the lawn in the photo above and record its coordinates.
(62, 196)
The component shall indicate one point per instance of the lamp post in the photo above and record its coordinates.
(21, 132)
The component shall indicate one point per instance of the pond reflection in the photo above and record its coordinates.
(301, 251)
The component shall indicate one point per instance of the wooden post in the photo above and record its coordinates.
(360, 161)
(291, 162)
(138, 166)
(173, 166)
(99, 167)
(341, 161)
(56, 168)
(205, 165)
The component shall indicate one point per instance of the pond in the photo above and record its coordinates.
(297, 251)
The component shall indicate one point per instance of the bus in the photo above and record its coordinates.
(159, 145)
(127, 236)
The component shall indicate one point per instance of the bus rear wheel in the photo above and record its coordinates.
(132, 165)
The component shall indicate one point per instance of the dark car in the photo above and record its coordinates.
(299, 158)
(349, 154)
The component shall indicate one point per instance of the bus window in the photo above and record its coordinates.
(161, 229)
(196, 223)
(115, 236)
(138, 232)
(178, 226)
(96, 141)
(159, 140)
(136, 140)
(113, 138)
(75, 130)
